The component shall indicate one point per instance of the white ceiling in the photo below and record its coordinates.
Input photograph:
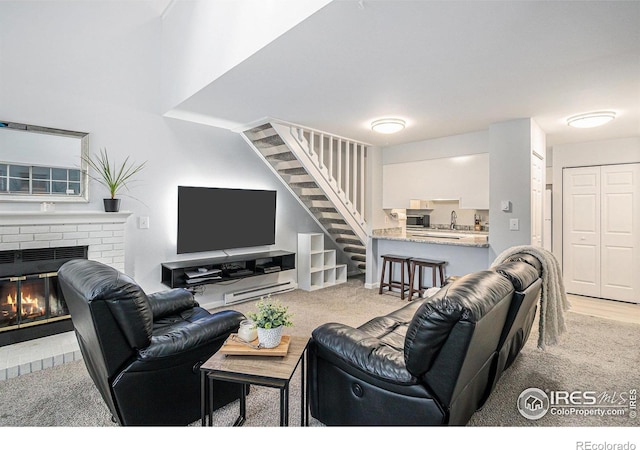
(447, 67)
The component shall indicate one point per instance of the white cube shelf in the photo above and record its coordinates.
(317, 267)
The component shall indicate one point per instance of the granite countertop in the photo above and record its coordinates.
(429, 236)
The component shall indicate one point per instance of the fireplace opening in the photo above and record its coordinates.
(32, 304)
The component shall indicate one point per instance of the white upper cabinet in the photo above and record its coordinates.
(463, 178)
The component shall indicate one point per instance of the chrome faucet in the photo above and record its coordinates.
(454, 217)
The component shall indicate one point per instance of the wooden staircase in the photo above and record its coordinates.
(318, 178)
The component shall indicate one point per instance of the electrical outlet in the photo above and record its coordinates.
(514, 224)
(143, 222)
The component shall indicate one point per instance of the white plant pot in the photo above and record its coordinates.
(269, 338)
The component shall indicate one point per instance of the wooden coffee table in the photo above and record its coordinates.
(270, 371)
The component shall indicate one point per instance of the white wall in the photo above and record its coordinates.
(595, 153)
(510, 168)
(203, 39)
(95, 67)
(374, 215)
(459, 145)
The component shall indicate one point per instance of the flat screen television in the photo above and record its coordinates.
(222, 218)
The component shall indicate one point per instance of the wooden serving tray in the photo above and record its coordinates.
(231, 347)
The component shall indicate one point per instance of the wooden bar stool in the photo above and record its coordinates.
(390, 260)
(417, 265)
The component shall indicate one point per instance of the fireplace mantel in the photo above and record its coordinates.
(103, 232)
(61, 217)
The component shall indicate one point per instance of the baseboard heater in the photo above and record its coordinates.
(257, 292)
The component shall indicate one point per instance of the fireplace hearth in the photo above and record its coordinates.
(31, 302)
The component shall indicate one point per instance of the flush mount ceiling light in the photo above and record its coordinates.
(590, 120)
(388, 126)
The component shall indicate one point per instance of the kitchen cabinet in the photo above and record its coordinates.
(463, 178)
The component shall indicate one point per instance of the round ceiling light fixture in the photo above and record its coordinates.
(592, 119)
(388, 125)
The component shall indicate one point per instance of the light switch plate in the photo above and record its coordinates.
(143, 222)
(514, 224)
(505, 205)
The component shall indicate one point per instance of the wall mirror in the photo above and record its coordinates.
(39, 164)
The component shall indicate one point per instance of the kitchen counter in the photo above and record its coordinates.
(464, 251)
(435, 236)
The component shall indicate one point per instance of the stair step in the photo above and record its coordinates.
(308, 192)
(334, 220)
(352, 249)
(271, 151)
(297, 178)
(285, 156)
(316, 203)
(285, 165)
(260, 132)
(304, 184)
(359, 258)
(346, 240)
(294, 171)
(318, 210)
(330, 216)
(264, 126)
(362, 266)
(341, 231)
(269, 141)
(314, 198)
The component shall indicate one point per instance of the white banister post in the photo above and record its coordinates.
(321, 151)
(311, 136)
(362, 180)
(347, 168)
(330, 158)
(356, 166)
(339, 166)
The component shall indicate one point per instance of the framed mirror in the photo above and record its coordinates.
(39, 164)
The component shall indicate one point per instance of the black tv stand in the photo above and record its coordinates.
(184, 274)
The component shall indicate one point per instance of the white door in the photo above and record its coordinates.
(601, 231)
(537, 199)
(620, 232)
(548, 229)
(581, 230)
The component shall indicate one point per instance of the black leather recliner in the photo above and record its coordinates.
(432, 362)
(522, 312)
(143, 352)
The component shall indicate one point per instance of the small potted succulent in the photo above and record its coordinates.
(270, 319)
(113, 177)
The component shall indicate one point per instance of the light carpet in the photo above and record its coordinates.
(594, 354)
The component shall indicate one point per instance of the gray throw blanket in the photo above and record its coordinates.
(553, 297)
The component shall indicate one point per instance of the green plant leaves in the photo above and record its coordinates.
(271, 314)
(113, 177)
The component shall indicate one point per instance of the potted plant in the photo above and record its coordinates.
(270, 318)
(114, 177)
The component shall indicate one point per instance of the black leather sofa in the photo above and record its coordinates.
(143, 352)
(434, 361)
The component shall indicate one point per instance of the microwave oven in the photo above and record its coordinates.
(418, 221)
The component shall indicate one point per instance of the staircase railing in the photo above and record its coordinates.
(338, 164)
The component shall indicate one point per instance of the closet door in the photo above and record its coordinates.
(620, 232)
(581, 230)
(601, 231)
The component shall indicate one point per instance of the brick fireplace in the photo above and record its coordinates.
(33, 245)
